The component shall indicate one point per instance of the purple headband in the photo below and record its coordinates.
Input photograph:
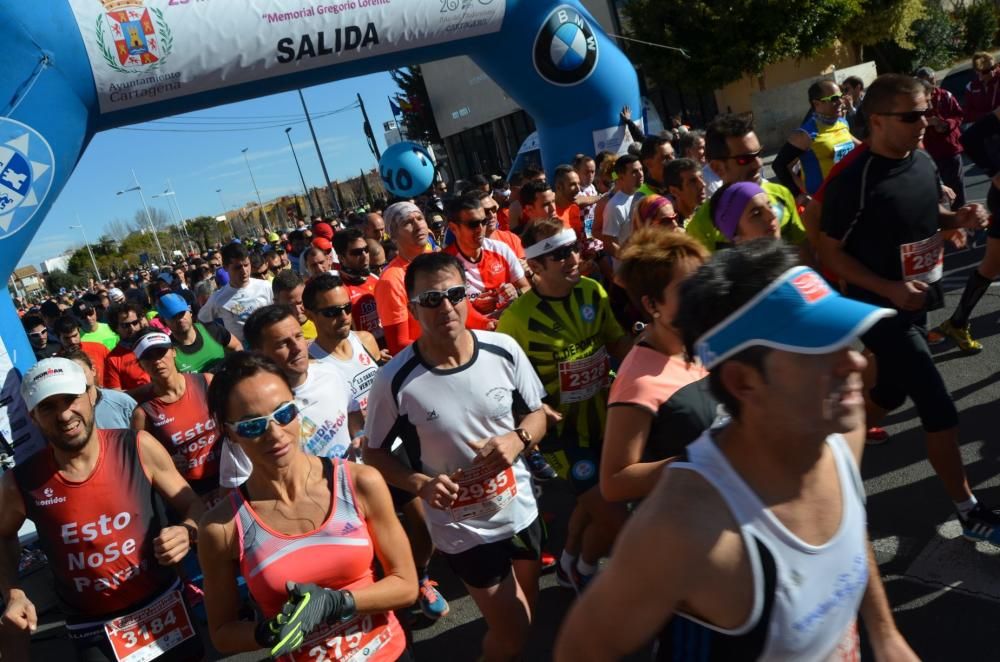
(731, 205)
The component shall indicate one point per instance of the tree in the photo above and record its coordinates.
(118, 229)
(205, 230)
(883, 22)
(725, 41)
(59, 279)
(418, 117)
(160, 220)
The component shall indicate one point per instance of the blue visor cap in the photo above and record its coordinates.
(799, 312)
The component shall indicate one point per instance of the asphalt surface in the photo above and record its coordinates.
(945, 591)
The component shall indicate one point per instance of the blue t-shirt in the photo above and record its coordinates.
(114, 410)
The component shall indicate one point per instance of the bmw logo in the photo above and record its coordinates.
(26, 169)
(565, 48)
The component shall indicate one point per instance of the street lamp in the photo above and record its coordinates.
(149, 219)
(170, 193)
(254, 182)
(97, 272)
(288, 134)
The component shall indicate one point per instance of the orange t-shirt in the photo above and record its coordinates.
(98, 354)
(511, 239)
(391, 300)
(570, 216)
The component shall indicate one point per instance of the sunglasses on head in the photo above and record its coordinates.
(358, 252)
(562, 253)
(434, 298)
(335, 311)
(252, 428)
(835, 98)
(909, 116)
(745, 159)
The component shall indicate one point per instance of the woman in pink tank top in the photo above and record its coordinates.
(303, 531)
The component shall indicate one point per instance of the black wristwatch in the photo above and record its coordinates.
(350, 609)
(192, 533)
(525, 437)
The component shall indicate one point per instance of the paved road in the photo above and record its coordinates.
(945, 591)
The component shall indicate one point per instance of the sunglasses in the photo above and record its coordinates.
(132, 324)
(358, 252)
(561, 254)
(252, 428)
(745, 159)
(472, 225)
(910, 116)
(834, 98)
(434, 298)
(38, 334)
(436, 226)
(335, 311)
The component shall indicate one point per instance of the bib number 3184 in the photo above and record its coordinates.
(150, 632)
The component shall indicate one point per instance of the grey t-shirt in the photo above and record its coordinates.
(114, 410)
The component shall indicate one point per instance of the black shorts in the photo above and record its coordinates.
(399, 496)
(580, 466)
(489, 564)
(906, 368)
(993, 206)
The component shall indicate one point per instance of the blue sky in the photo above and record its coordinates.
(198, 163)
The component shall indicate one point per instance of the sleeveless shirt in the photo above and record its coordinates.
(187, 430)
(97, 533)
(358, 371)
(336, 555)
(806, 597)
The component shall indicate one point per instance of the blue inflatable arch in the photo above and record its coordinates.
(72, 68)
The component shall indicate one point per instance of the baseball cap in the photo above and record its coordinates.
(116, 295)
(323, 244)
(171, 305)
(151, 341)
(48, 377)
(273, 237)
(166, 277)
(797, 313)
(323, 229)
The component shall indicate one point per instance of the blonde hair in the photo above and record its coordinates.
(982, 61)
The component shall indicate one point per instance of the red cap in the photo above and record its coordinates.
(323, 230)
(323, 244)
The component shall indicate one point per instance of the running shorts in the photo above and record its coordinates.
(487, 565)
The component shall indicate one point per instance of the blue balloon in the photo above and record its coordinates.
(407, 169)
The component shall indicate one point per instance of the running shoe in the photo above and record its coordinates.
(959, 334)
(432, 603)
(876, 436)
(573, 580)
(981, 524)
(540, 468)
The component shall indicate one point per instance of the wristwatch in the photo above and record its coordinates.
(524, 436)
(192, 533)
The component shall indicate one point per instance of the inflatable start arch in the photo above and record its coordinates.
(71, 68)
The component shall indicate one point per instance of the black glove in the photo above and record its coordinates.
(308, 606)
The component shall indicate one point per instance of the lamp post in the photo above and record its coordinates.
(254, 182)
(93, 261)
(288, 134)
(170, 193)
(149, 219)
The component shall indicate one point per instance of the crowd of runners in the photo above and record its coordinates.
(264, 445)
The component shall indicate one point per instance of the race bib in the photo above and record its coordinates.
(356, 640)
(923, 260)
(481, 493)
(148, 633)
(583, 379)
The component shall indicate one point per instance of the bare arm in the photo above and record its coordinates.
(173, 542)
(398, 587)
(216, 554)
(234, 344)
(19, 611)
(138, 419)
(624, 476)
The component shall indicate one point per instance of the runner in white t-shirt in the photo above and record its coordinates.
(618, 212)
(235, 302)
(468, 404)
(356, 355)
(330, 415)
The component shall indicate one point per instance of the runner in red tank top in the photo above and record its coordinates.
(177, 415)
(89, 494)
(319, 537)
(355, 271)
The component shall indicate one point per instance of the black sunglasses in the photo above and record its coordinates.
(434, 298)
(358, 252)
(133, 323)
(472, 225)
(562, 253)
(436, 226)
(745, 159)
(910, 116)
(335, 311)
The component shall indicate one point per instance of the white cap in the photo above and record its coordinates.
(48, 377)
(150, 341)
